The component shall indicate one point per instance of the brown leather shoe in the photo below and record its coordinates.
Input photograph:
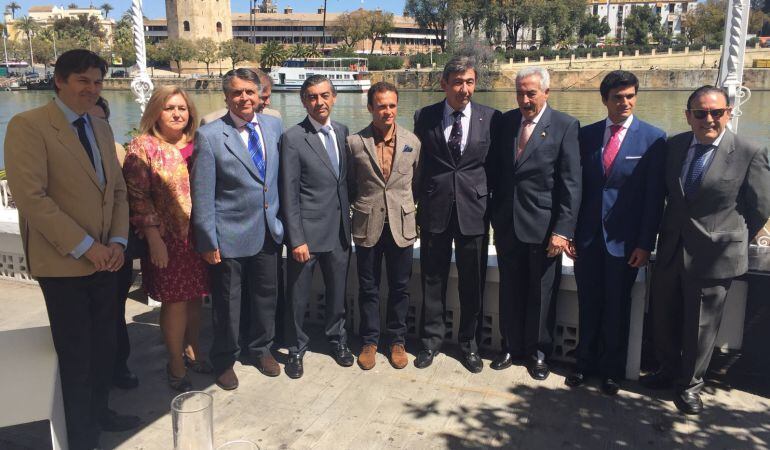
(366, 358)
(398, 357)
(228, 380)
(268, 366)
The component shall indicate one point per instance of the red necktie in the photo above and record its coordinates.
(611, 150)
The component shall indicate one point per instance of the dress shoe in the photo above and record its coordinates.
(575, 379)
(115, 423)
(343, 355)
(398, 358)
(657, 380)
(294, 367)
(197, 365)
(425, 358)
(688, 402)
(228, 380)
(125, 379)
(366, 357)
(610, 386)
(502, 361)
(472, 362)
(538, 369)
(268, 365)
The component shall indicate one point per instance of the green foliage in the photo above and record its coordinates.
(272, 54)
(423, 59)
(85, 31)
(432, 14)
(157, 54)
(705, 23)
(383, 62)
(377, 26)
(237, 51)
(179, 50)
(302, 51)
(13, 6)
(207, 52)
(641, 24)
(123, 40)
(106, 7)
(592, 25)
(350, 28)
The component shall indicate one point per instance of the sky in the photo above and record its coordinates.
(156, 8)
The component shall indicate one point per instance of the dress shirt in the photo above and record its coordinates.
(691, 152)
(625, 125)
(243, 132)
(449, 120)
(534, 122)
(317, 125)
(386, 148)
(71, 117)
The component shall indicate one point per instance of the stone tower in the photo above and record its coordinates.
(196, 19)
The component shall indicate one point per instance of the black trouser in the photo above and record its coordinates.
(299, 286)
(604, 285)
(81, 311)
(529, 282)
(471, 261)
(398, 263)
(686, 313)
(125, 278)
(250, 279)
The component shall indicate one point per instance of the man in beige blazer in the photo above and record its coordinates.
(73, 216)
(383, 174)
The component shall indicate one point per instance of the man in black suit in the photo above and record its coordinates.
(316, 215)
(455, 136)
(536, 198)
(718, 184)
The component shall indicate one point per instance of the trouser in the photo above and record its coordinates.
(125, 278)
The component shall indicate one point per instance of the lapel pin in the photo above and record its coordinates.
(542, 134)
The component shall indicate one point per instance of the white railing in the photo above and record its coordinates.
(5, 195)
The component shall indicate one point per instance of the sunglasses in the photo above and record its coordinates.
(702, 113)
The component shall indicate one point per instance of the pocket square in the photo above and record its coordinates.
(633, 157)
(407, 149)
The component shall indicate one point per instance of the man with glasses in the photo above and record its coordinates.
(718, 199)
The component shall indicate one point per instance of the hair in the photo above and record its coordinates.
(618, 79)
(314, 80)
(459, 64)
(101, 102)
(77, 61)
(264, 79)
(378, 87)
(707, 89)
(545, 77)
(242, 74)
(149, 123)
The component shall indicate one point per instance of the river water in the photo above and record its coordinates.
(664, 109)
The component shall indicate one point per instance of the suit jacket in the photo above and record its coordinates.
(372, 198)
(57, 192)
(314, 201)
(729, 208)
(626, 204)
(445, 182)
(540, 192)
(212, 116)
(232, 203)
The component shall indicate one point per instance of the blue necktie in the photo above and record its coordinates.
(80, 124)
(326, 130)
(696, 170)
(255, 149)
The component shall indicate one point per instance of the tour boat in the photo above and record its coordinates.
(347, 74)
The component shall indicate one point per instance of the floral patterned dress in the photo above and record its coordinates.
(158, 182)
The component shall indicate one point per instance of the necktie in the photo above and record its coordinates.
(696, 170)
(526, 132)
(456, 136)
(326, 130)
(612, 148)
(255, 149)
(80, 124)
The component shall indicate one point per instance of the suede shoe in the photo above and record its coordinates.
(227, 380)
(268, 365)
(688, 402)
(398, 358)
(366, 357)
(343, 356)
(294, 368)
(425, 358)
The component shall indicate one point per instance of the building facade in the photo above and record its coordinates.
(45, 16)
(616, 11)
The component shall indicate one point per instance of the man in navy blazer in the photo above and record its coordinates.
(623, 189)
(234, 184)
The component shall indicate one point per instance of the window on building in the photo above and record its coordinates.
(671, 7)
(596, 10)
(684, 7)
(219, 27)
(186, 25)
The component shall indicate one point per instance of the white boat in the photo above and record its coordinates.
(347, 74)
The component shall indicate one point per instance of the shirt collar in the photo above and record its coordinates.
(378, 136)
(448, 110)
(317, 125)
(539, 115)
(626, 124)
(713, 144)
(69, 114)
(240, 123)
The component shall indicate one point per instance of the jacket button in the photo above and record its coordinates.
(265, 205)
(265, 188)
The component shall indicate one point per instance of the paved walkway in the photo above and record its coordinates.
(443, 406)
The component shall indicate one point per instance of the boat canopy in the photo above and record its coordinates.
(347, 64)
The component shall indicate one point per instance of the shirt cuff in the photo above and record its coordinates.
(83, 247)
(120, 240)
(559, 235)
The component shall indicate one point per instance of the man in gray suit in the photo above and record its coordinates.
(316, 212)
(718, 199)
(234, 184)
(382, 177)
(266, 83)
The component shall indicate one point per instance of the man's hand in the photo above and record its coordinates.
(116, 261)
(571, 251)
(557, 245)
(639, 258)
(213, 257)
(99, 255)
(301, 253)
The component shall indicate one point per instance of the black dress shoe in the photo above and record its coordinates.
(125, 379)
(425, 358)
(688, 402)
(538, 369)
(502, 361)
(114, 422)
(472, 362)
(343, 355)
(575, 379)
(610, 386)
(657, 380)
(294, 367)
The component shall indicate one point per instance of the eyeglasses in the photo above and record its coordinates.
(702, 113)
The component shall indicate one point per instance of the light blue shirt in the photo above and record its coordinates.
(71, 117)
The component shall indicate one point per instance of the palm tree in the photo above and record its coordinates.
(106, 7)
(28, 26)
(13, 6)
(72, 6)
(272, 54)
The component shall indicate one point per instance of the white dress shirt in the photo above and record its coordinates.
(625, 125)
(317, 125)
(449, 120)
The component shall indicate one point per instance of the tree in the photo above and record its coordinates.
(592, 25)
(471, 13)
(13, 6)
(157, 54)
(72, 6)
(705, 23)
(43, 50)
(432, 14)
(641, 23)
(84, 29)
(377, 26)
(513, 15)
(272, 54)
(106, 7)
(349, 28)
(179, 50)
(207, 52)
(302, 51)
(123, 40)
(27, 26)
(757, 21)
(237, 51)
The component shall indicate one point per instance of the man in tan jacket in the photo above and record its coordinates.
(383, 174)
(73, 216)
